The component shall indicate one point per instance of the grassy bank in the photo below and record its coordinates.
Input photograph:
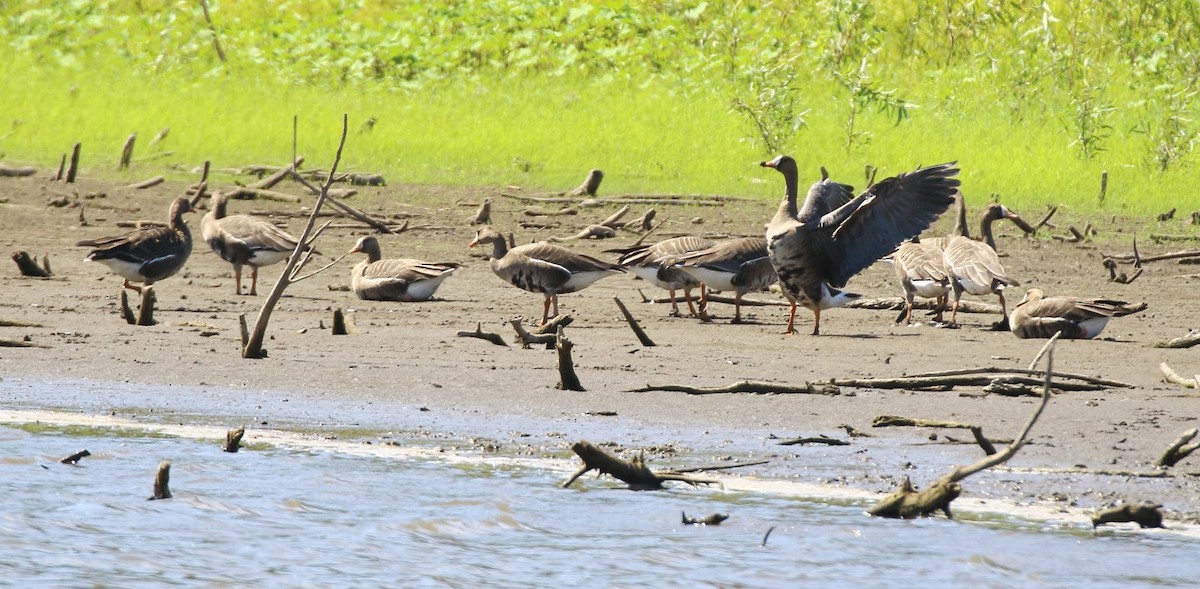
(679, 99)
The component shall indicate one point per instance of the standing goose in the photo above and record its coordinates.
(543, 267)
(738, 264)
(243, 240)
(146, 254)
(974, 266)
(815, 249)
(921, 268)
(1039, 316)
(646, 261)
(396, 279)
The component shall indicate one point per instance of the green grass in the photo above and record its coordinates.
(491, 97)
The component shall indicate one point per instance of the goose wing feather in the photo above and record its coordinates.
(873, 224)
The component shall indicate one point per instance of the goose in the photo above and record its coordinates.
(817, 248)
(975, 268)
(921, 268)
(739, 264)
(646, 262)
(543, 267)
(376, 279)
(146, 254)
(243, 240)
(1040, 316)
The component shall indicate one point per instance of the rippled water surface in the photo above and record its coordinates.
(284, 517)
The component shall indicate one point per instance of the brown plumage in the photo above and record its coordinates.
(817, 248)
(974, 266)
(395, 279)
(921, 269)
(543, 267)
(146, 254)
(243, 240)
(1039, 316)
(740, 265)
(646, 261)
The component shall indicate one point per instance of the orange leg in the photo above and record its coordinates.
(704, 304)
(817, 324)
(253, 280)
(131, 286)
(792, 320)
(674, 303)
(546, 310)
(687, 296)
(237, 281)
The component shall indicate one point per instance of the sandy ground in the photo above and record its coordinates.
(405, 362)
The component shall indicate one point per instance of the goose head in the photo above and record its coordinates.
(487, 234)
(367, 245)
(1032, 295)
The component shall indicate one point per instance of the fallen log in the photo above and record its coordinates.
(822, 439)
(20, 343)
(1145, 515)
(148, 183)
(551, 326)
(589, 232)
(744, 386)
(1103, 382)
(251, 193)
(634, 472)
(277, 177)
(712, 520)
(1134, 257)
(11, 172)
(906, 502)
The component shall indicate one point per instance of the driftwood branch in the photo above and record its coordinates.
(529, 339)
(148, 183)
(906, 502)
(745, 386)
(589, 232)
(76, 457)
(711, 520)
(1045, 222)
(1131, 258)
(590, 185)
(614, 220)
(568, 380)
(1173, 377)
(344, 208)
(233, 439)
(270, 181)
(1185, 341)
(1181, 448)
(253, 346)
(479, 333)
(633, 324)
(28, 266)
(551, 326)
(633, 472)
(976, 431)
(162, 480)
(822, 439)
(11, 172)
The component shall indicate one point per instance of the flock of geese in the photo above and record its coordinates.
(810, 249)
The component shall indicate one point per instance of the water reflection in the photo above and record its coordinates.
(283, 517)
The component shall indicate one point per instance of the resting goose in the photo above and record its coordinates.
(1039, 316)
(543, 267)
(738, 264)
(817, 248)
(146, 254)
(646, 262)
(243, 240)
(396, 279)
(975, 268)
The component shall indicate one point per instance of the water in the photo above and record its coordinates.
(314, 513)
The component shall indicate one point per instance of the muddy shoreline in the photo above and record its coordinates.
(404, 366)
